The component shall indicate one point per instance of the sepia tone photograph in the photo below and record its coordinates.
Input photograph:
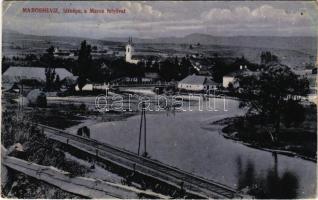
(159, 99)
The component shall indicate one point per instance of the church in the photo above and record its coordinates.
(129, 52)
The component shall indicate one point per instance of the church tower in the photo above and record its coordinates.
(129, 49)
(129, 52)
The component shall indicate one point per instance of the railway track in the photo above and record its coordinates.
(156, 169)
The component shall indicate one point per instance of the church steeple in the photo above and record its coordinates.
(129, 52)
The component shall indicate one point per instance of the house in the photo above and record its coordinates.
(227, 79)
(197, 83)
(243, 71)
(16, 74)
(64, 53)
(86, 87)
(89, 87)
(230, 78)
(29, 78)
(24, 86)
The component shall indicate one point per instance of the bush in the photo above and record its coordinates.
(82, 107)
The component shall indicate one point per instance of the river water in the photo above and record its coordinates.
(187, 140)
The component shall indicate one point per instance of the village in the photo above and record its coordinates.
(151, 75)
(159, 100)
(69, 99)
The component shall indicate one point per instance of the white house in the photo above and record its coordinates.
(227, 79)
(92, 87)
(86, 87)
(230, 78)
(129, 53)
(197, 83)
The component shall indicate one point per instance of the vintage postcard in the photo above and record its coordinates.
(159, 99)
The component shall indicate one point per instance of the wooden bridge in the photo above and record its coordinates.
(192, 184)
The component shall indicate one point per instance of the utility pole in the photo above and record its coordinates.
(20, 102)
(22, 97)
(143, 122)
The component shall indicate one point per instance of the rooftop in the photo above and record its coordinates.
(37, 73)
(197, 80)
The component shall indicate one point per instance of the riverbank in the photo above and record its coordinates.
(185, 140)
(39, 149)
(293, 143)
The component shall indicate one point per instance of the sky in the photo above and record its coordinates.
(166, 18)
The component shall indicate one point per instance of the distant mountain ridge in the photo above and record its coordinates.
(291, 43)
(295, 42)
(10, 36)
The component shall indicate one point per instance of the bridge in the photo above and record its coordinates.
(193, 185)
(141, 85)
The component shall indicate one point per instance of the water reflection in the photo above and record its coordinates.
(268, 185)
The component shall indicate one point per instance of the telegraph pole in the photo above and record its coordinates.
(140, 129)
(145, 132)
(143, 123)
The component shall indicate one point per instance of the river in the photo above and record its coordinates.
(187, 140)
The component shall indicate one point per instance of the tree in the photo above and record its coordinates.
(294, 114)
(271, 94)
(222, 68)
(50, 77)
(84, 64)
(186, 67)
(5, 64)
(57, 82)
(49, 61)
(267, 58)
(176, 61)
(30, 57)
(119, 68)
(148, 63)
(169, 70)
